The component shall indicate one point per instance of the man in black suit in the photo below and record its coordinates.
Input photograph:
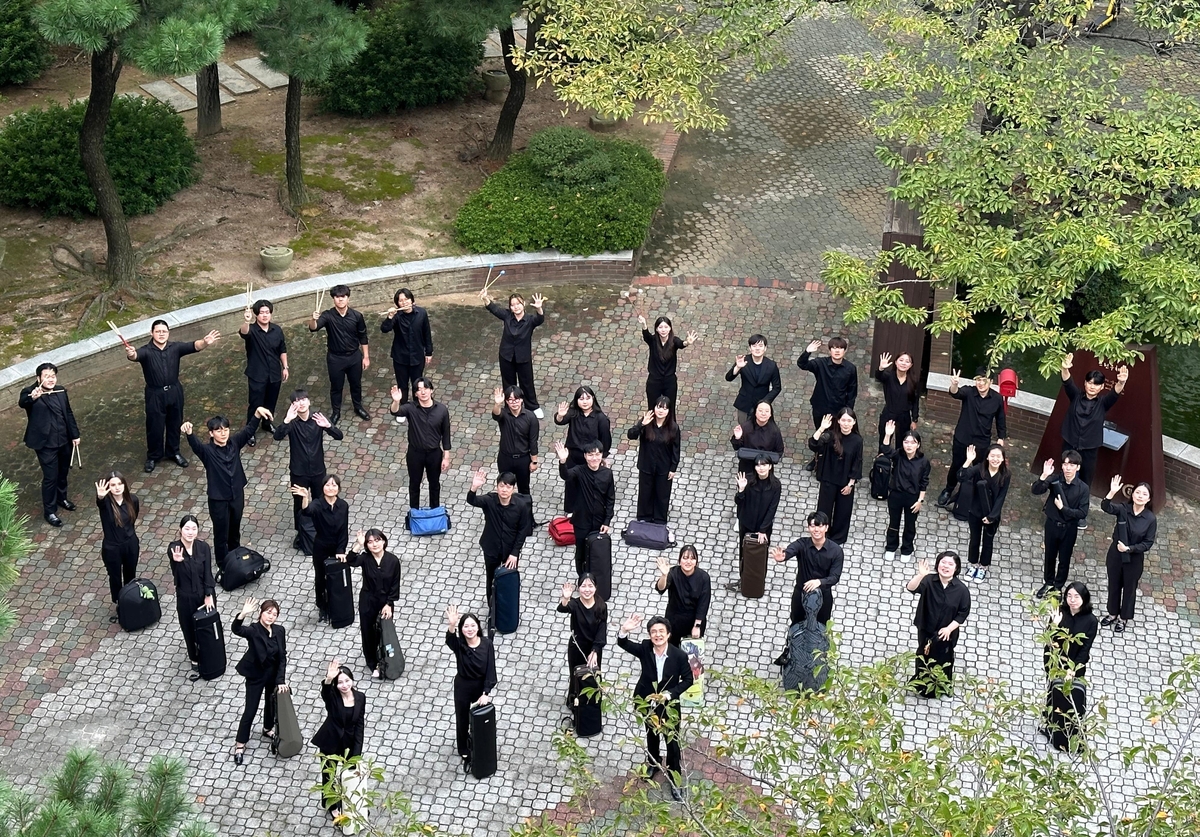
(664, 677)
(52, 434)
(596, 497)
(507, 522)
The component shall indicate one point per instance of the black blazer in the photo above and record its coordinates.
(193, 575)
(677, 674)
(42, 411)
(254, 665)
(342, 732)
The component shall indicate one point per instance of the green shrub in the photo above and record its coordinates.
(149, 153)
(521, 207)
(23, 53)
(404, 66)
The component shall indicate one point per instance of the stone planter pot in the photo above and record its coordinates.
(496, 83)
(276, 259)
(603, 124)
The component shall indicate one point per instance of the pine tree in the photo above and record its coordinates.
(15, 546)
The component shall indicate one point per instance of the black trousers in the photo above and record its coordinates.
(368, 628)
(321, 551)
(516, 373)
(577, 656)
(839, 507)
(979, 547)
(903, 420)
(671, 733)
(939, 656)
(185, 608)
(1123, 577)
(341, 368)
(56, 464)
(429, 463)
(657, 387)
(226, 516)
(313, 483)
(261, 394)
(581, 558)
(466, 692)
(900, 505)
(1060, 543)
(406, 376)
(256, 690)
(654, 497)
(164, 415)
(490, 564)
(519, 465)
(681, 627)
(958, 455)
(1087, 467)
(120, 560)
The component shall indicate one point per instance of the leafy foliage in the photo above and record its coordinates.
(404, 66)
(23, 53)
(15, 546)
(149, 152)
(569, 191)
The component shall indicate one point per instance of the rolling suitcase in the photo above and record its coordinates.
(642, 533)
(391, 658)
(505, 607)
(288, 741)
(210, 643)
(339, 593)
(561, 531)
(587, 710)
(483, 740)
(240, 567)
(137, 605)
(754, 568)
(1063, 712)
(599, 563)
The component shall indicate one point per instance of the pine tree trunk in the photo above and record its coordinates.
(297, 195)
(106, 69)
(502, 141)
(208, 102)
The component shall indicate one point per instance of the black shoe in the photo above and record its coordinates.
(1043, 590)
(265, 426)
(811, 466)
(944, 498)
(149, 467)
(180, 461)
(1119, 628)
(250, 443)
(239, 755)
(195, 665)
(361, 413)
(734, 586)
(335, 417)
(323, 616)
(652, 770)
(53, 519)
(296, 542)
(466, 764)
(1107, 620)
(677, 793)
(66, 504)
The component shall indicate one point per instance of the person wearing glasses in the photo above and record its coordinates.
(519, 429)
(981, 408)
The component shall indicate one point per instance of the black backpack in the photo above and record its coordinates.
(881, 477)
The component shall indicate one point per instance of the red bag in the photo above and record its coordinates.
(561, 531)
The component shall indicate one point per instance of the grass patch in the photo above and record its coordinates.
(331, 236)
(336, 163)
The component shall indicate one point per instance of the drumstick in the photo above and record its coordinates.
(320, 299)
(487, 279)
(75, 453)
(117, 332)
(488, 285)
(249, 294)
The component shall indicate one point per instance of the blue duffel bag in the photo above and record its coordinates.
(428, 521)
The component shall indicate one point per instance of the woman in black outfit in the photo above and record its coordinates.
(901, 404)
(589, 628)
(660, 367)
(379, 591)
(658, 460)
(516, 344)
(983, 489)
(345, 722)
(906, 489)
(759, 435)
(839, 467)
(586, 423)
(1071, 632)
(688, 590)
(757, 501)
(944, 606)
(119, 509)
(476, 674)
(1132, 538)
(264, 665)
(331, 519)
(191, 567)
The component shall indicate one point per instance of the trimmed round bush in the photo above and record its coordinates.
(570, 191)
(149, 152)
(23, 52)
(403, 66)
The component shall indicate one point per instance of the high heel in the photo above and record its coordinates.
(239, 754)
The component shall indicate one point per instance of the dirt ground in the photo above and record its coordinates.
(386, 190)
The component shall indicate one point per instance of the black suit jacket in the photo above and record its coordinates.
(193, 575)
(254, 665)
(677, 674)
(42, 412)
(342, 732)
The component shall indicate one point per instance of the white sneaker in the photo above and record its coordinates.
(889, 556)
(401, 420)
(540, 413)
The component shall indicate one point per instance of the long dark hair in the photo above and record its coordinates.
(1080, 588)
(771, 479)
(910, 380)
(130, 503)
(669, 431)
(836, 430)
(1002, 474)
(574, 410)
(667, 351)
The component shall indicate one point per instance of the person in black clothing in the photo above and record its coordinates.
(53, 435)
(665, 675)
(980, 407)
(1083, 425)
(331, 520)
(412, 341)
(475, 674)
(663, 355)
(1132, 538)
(1066, 505)
(507, 522)
(519, 431)
(342, 732)
(1072, 630)
(379, 591)
(901, 403)
(906, 490)
(119, 509)
(689, 592)
(837, 381)
(757, 502)
(222, 460)
(819, 562)
(596, 497)
(758, 436)
(428, 441)
(658, 460)
(944, 606)
(164, 394)
(760, 378)
(191, 568)
(839, 467)
(982, 491)
(586, 423)
(266, 360)
(305, 432)
(347, 353)
(589, 629)
(516, 344)
(264, 665)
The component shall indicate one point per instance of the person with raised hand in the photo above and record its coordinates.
(983, 488)
(757, 501)
(119, 548)
(901, 401)
(689, 593)
(589, 628)
(839, 468)
(519, 430)
(1133, 536)
(664, 346)
(190, 560)
(330, 516)
(516, 343)
(760, 435)
(344, 727)
(658, 460)
(1083, 425)
(836, 381)
(980, 408)
(759, 375)
(475, 674)
(1066, 504)
(266, 361)
(586, 422)
(53, 435)
(429, 443)
(412, 341)
(906, 495)
(507, 523)
(264, 665)
(305, 432)
(942, 609)
(596, 497)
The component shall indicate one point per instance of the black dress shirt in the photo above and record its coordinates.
(813, 564)
(331, 522)
(909, 476)
(662, 359)
(223, 465)
(518, 434)
(838, 469)
(51, 420)
(939, 606)
(306, 440)
(412, 339)
(656, 455)
(688, 598)
(1075, 496)
(478, 663)
(975, 419)
(1140, 530)
(342, 732)
(759, 437)
(344, 334)
(899, 398)
(193, 575)
(265, 661)
(1083, 426)
(760, 382)
(161, 366)
(505, 528)
(982, 494)
(264, 351)
(1073, 637)
(118, 525)
(582, 429)
(589, 625)
(597, 497)
(837, 383)
(516, 341)
(757, 505)
(380, 581)
(428, 427)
